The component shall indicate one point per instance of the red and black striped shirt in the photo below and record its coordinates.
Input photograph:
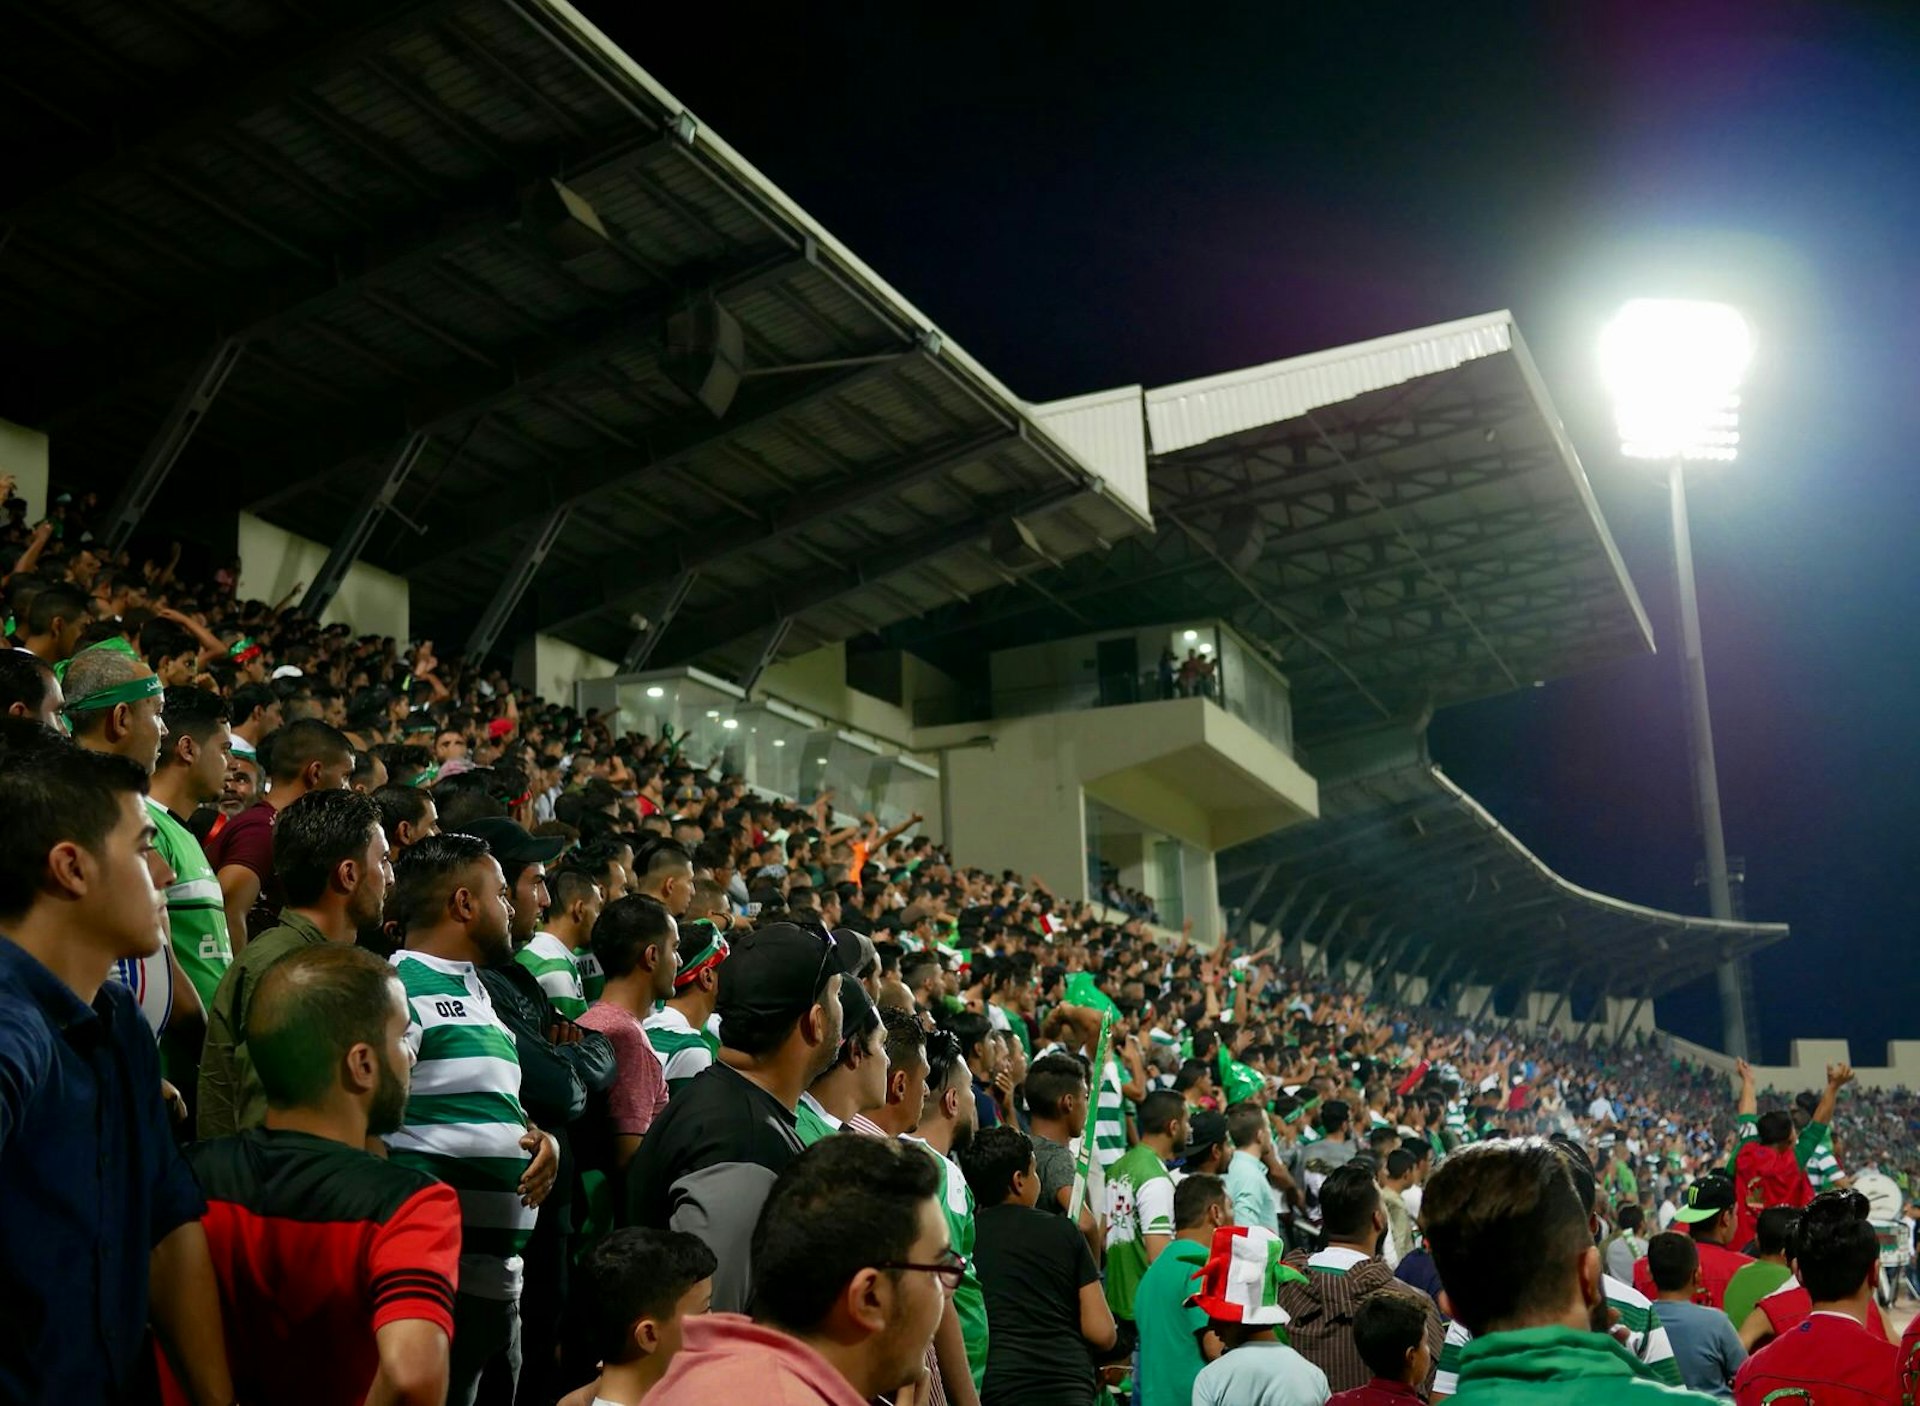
(318, 1245)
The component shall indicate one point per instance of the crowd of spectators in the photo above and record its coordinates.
(371, 1029)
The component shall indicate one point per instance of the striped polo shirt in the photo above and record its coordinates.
(464, 1121)
(554, 967)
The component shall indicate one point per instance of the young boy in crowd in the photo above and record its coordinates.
(638, 1286)
(1390, 1332)
(1241, 1298)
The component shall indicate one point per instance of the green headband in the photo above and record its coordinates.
(114, 694)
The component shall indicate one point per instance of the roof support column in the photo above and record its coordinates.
(1446, 967)
(1633, 1015)
(170, 441)
(1372, 945)
(513, 586)
(1384, 980)
(647, 640)
(354, 536)
(1559, 1004)
(1244, 918)
(1272, 939)
(1291, 944)
(1599, 1005)
(1326, 939)
(776, 637)
(1486, 1006)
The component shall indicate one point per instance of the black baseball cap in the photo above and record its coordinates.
(1707, 1198)
(510, 842)
(774, 974)
(1205, 1129)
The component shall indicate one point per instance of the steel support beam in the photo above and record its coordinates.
(1387, 978)
(1244, 918)
(1326, 938)
(1632, 1015)
(1375, 945)
(612, 585)
(1290, 946)
(1559, 1004)
(1434, 982)
(354, 536)
(1486, 1006)
(513, 586)
(776, 637)
(722, 627)
(527, 370)
(169, 442)
(1599, 1005)
(647, 640)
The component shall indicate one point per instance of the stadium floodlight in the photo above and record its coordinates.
(1674, 368)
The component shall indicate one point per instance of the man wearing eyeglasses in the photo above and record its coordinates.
(852, 1266)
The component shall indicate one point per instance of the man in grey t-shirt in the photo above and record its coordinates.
(1055, 1165)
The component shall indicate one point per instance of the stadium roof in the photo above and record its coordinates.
(405, 269)
(1402, 855)
(1402, 523)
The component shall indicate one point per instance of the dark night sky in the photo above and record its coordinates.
(1085, 196)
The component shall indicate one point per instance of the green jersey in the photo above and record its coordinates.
(1814, 1152)
(593, 980)
(196, 913)
(1139, 1204)
(969, 1300)
(812, 1122)
(554, 967)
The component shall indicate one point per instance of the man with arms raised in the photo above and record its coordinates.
(336, 1268)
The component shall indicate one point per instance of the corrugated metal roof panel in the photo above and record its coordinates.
(1194, 412)
(1108, 431)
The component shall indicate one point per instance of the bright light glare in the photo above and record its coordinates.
(713, 712)
(778, 742)
(1674, 369)
(731, 723)
(1191, 635)
(1206, 649)
(656, 692)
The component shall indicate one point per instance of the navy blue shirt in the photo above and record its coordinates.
(90, 1182)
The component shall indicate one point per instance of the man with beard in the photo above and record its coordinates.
(330, 855)
(1513, 1241)
(336, 1267)
(709, 1161)
(464, 1122)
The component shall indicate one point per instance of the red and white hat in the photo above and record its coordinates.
(1242, 1278)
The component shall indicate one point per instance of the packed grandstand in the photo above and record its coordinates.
(635, 872)
(383, 1022)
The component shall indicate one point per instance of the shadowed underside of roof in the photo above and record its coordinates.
(361, 200)
(1404, 868)
(1402, 524)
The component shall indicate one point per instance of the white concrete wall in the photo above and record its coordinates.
(1019, 806)
(1807, 1067)
(273, 561)
(817, 682)
(23, 453)
(550, 667)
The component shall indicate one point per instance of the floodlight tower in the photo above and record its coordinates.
(1674, 369)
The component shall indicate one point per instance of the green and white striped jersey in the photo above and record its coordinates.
(593, 979)
(1110, 1117)
(683, 1051)
(1646, 1339)
(553, 965)
(464, 1122)
(1815, 1151)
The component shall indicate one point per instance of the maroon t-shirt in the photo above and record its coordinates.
(1830, 1358)
(247, 841)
